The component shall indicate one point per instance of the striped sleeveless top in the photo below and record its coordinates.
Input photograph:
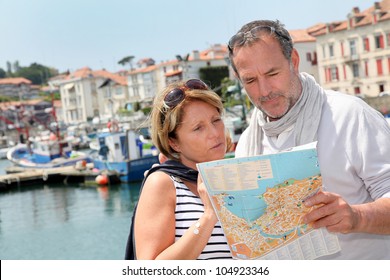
(189, 208)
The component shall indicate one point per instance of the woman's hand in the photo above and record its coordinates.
(204, 196)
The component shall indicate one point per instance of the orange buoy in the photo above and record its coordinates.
(102, 179)
(53, 137)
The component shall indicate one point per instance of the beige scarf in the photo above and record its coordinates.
(305, 115)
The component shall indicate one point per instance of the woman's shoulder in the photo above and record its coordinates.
(159, 182)
(158, 191)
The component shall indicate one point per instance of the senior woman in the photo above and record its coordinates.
(174, 217)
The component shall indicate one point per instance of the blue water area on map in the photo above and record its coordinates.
(275, 236)
(249, 204)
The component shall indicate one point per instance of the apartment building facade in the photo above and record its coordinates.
(354, 54)
(147, 80)
(351, 56)
(86, 94)
(305, 44)
(20, 88)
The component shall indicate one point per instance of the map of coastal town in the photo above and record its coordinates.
(280, 222)
(259, 203)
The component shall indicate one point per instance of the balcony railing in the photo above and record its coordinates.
(351, 58)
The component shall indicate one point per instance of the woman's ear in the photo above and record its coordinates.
(174, 144)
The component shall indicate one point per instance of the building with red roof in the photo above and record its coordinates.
(15, 87)
(354, 54)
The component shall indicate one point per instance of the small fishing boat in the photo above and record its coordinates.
(5, 145)
(45, 152)
(124, 152)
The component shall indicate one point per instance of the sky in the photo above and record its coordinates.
(72, 34)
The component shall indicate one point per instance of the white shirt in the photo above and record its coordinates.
(354, 157)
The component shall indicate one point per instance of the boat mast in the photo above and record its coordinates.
(53, 112)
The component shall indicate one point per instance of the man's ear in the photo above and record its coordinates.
(295, 59)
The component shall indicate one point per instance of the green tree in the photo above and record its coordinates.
(226, 95)
(9, 69)
(6, 99)
(3, 74)
(127, 60)
(38, 74)
(124, 112)
(213, 76)
(48, 97)
(146, 110)
(137, 106)
(16, 66)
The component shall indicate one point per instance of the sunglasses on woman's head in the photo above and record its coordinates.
(177, 95)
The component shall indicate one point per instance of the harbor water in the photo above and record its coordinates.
(65, 221)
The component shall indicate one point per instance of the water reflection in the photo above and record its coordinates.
(120, 198)
(72, 221)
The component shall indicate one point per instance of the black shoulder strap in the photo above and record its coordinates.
(170, 167)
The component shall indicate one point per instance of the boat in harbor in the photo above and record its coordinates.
(45, 152)
(5, 145)
(3, 152)
(124, 152)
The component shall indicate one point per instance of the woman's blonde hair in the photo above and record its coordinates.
(165, 120)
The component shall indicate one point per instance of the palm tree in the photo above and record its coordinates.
(127, 59)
